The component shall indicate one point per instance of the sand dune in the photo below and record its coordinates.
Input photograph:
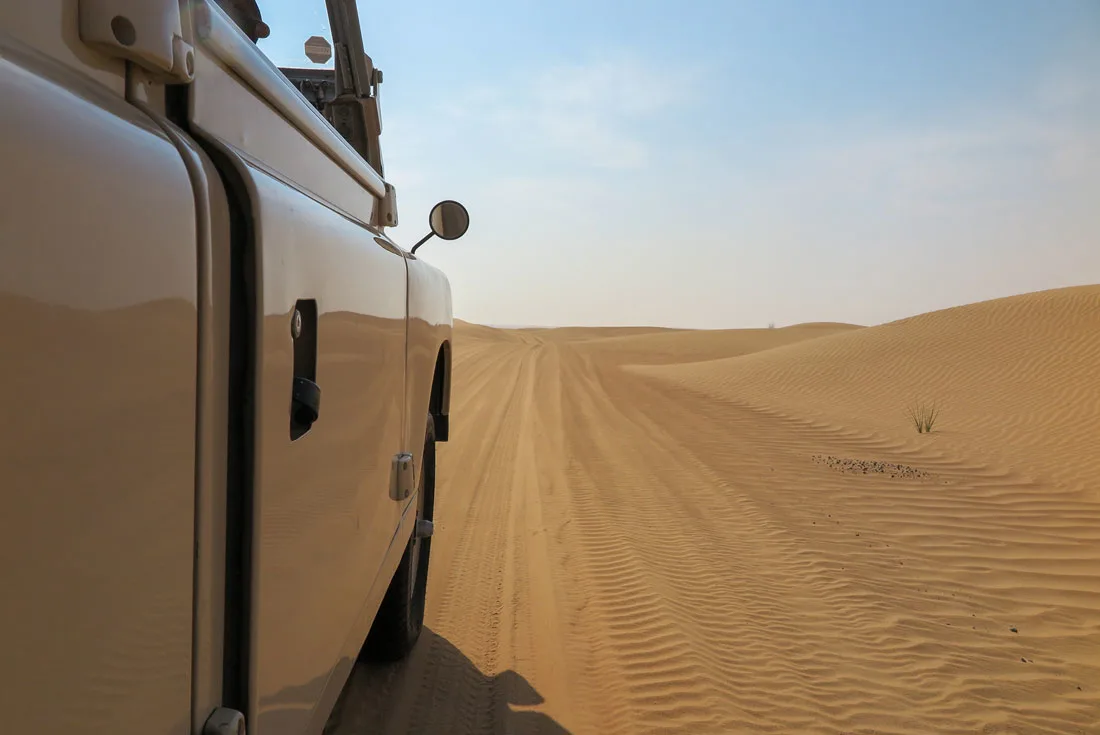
(680, 346)
(585, 334)
(1017, 379)
(725, 532)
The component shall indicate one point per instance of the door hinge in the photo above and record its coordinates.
(401, 478)
(147, 32)
(224, 721)
(385, 214)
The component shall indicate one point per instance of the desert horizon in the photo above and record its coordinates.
(620, 329)
(725, 531)
(561, 368)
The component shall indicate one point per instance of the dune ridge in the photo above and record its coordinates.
(1017, 379)
(737, 532)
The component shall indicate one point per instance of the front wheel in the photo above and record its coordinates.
(400, 618)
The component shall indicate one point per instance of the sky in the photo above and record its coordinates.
(731, 163)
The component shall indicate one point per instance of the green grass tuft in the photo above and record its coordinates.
(923, 416)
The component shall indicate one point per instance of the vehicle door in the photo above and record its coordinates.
(98, 261)
(327, 300)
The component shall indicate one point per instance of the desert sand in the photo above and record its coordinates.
(652, 530)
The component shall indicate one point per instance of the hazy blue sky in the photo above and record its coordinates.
(730, 164)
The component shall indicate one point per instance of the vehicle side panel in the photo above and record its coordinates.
(324, 524)
(324, 518)
(430, 326)
(53, 28)
(98, 289)
(225, 106)
(212, 416)
(344, 665)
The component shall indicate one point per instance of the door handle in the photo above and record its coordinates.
(305, 401)
(305, 394)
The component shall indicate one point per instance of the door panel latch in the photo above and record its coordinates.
(401, 483)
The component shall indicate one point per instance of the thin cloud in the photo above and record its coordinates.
(1049, 144)
(582, 114)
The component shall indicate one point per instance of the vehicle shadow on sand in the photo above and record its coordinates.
(438, 690)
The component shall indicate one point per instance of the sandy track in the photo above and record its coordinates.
(618, 552)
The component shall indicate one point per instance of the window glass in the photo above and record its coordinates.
(295, 36)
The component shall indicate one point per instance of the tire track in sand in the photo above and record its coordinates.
(619, 554)
(498, 586)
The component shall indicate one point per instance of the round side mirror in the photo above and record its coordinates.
(449, 220)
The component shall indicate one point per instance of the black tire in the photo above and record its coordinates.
(400, 618)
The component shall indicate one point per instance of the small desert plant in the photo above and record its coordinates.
(924, 415)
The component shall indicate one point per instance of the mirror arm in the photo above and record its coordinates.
(423, 240)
